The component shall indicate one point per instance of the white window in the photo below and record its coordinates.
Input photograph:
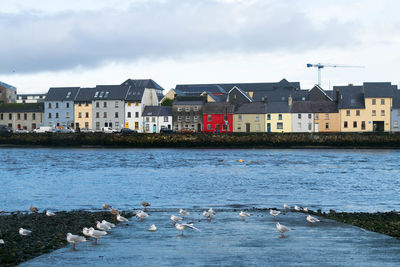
(309, 126)
(187, 108)
(240, 117)
(327, 116)
(179, 118)
(257, 118)
(239, 127)
(396, 124)
(195, 118)
(279, 125)
(258, 127)
(116, 104)
(373, 112)
(299, 116)
(187, 118)
(382, 112)
(67, 115)
(165, 118)
(195, 108)
(179, 109)
(309, 116)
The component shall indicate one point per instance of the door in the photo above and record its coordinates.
(268, 127)
(379, 126)
(247, 127)
(199, 127)
(316, 127)
(77, 125)
(154, 128)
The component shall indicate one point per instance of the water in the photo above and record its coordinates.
(344, 180)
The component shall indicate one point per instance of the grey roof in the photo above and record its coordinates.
(86, 94)
(29, 107)
(217, 98)
(278, 107)
(218, 108)
(379, 89)
(189, 100)
(5, 85)
(314, 107)
(110, 92)
(62, 94)
(200, 88)
(157, 111)
(396, 100)
(252, 108)
(246, 95)
(318, 94)
(350, 97)
(137, 87)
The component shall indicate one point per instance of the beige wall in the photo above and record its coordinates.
(26, 120)
(82, 110)
(333, 120)
(256, 122)
(274, 119)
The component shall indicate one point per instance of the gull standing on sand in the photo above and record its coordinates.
(86, 232)
(49, 213)
(75, 239)
(122, 219)
(102, 226)
(312, 219)
(286, 207)
(24, 232)
(111, 225)
(96, 234)
(175, 219)
(297, 208)
(141, 215)
(274, 213)
(243, 215)
(152, 228)
(182, 227)
(281, 228)
(33, 209)
(105, 206)
(183, 212)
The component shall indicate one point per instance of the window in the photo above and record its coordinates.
(217, 127)
(357, 113)
(67, 115)
(280, 117)
(106, 124)
(116, 104)
(105, 104)
(86, 104)
(208, 126)
(209, 118)
(136, 125)
(326, 116)
(180, 118)
(86, 125)
(49, 105)
(373, 112)
(34, 117)
(382, 101)
(105, 115)
(257, 118)
(196, 118)
(136, 104)
(97, 104)
(56, 115)
(56, 104)
(179, 109)
(224, 127)
(309, 116)
(327, 126)
(354, 124)
(187, 109)
(347, 112)
(136, 114)
(79, 104)
(240, 117)
(10, 116)
(33, 125)
(258, 127)
(195, 108)
(396, 124)
(309, 126)
(129, 115)
(67, 104)
(166, 118)
(117, 124)
(373, 101)
(279, 125)
(97, 114)
(97, 125)
(79, 114)
(153, 119)
(299, 116)
(129, 104)
(87, 114)
(116, 115)
(345, 124)
(187, 118)
(18, 116)
(269, 117)
(299, 125)
(147, 119)
(225, 117)
(317, 116)
(363, 125)
(49, 115)
(239, 127)
(382, 112)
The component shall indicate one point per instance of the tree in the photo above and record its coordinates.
(167, 102)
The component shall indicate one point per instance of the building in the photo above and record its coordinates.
(8, 93)
(22, 116)
(218, 117)
(30, 98)
(141, 93)
(156, 118)
(108, 106)
(395, 113)
(250, 118)
(278, 116)
(187, 113)
(59, 107)
(83, 108)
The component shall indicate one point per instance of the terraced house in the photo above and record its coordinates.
(59, 107)
(83, 110)
(187, 113)
(250, 118)
(22, 116)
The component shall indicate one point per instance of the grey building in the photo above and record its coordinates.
(59, 107)
(187, 113)
(22, 116)
(395, 113)
(109, 106)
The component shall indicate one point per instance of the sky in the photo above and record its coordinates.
(55, 43)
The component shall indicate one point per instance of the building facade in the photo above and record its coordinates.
(83, 109)
(218, 117)
(156, 118)
(22, 116)
(8, 93)
(59, 107)
(187, 113)
(250, 118)
(30, 98)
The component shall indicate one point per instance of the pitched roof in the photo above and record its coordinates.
(218, 108)
(110, 92)
(314, 107)
(252, 108)
(278, 107)
(384, 89)
(318, 94)
(5, 85)
(29, 107)
(62, 93)
(396, 100)
(200, 88)
(350, 96)
(189, 100)
(246, 95)
(85, 94)
(157, 111)
(137, 87)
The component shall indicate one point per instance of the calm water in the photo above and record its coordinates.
(344, 180)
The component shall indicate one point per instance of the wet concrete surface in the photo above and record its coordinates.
(229, 241)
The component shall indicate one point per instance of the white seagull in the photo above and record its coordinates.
(274, 213)
(312, 219)
(75, 239)
(175, 219)
(183, 212)
(24, 232)
(96, 234)
(305, 209)
(297, 208)
(108, 224)
(210, 210)
(141, 215)
(49, 213)
(286, 206)
(122, 219)
(209, 215)
(182, 227)
(152, 228)
(281, 228)
(86, 232)
(1, 241)
(102, 226)
(244, 215)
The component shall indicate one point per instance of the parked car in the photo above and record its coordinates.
(108, 130)
(43, 129)
(86, 130)
(128, 131)
(65, 130)
(166, 130)
(21, 131)
(5, 129)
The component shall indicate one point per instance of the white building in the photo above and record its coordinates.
(156, 118)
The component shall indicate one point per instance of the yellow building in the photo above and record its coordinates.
(83, 115)
(250, 118)
(278, 118)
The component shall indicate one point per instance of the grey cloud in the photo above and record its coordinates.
(34, 42)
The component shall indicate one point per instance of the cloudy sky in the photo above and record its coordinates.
(49, 43)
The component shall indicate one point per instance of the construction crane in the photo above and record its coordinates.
(321, 66)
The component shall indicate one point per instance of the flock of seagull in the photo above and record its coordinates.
(104, 226)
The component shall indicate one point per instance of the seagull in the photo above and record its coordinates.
(209, 215)
(85, 231)
(114, 211)
(102, 226)
(141, 215)
(244, 215)
(210, 210)
(145, 204)
(305, 209)
(183, 212)
(152, 228)
(49, 213)
(312, 219)
(175, 219)
(111, 225)
(33, 209)
(96, 234)
(122, 219)
(281, 228)
(274, 213)
(182, 227)
(24, 232)
(297, 208)
(1, 241)
(286, 206)
(75, 239)
(106, 206)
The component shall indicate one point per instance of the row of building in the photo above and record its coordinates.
(236, 107)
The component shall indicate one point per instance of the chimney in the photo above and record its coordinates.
(290, 100)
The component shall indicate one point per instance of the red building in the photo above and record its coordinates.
(218, 117)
